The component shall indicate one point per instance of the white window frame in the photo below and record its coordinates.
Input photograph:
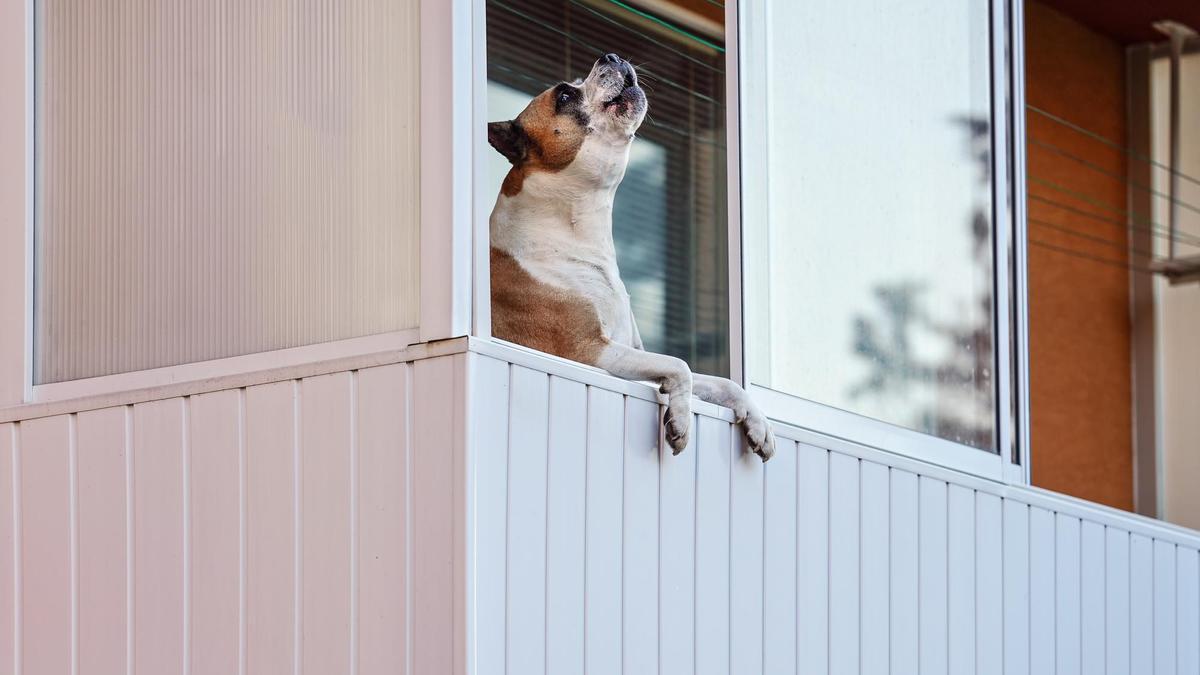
(745, 78)
(451, 59)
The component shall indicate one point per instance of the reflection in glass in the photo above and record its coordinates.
(869, 281)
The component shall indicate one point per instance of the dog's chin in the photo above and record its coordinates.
(628, 105)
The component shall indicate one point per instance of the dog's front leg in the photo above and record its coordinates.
(729, 394)
(673, 377)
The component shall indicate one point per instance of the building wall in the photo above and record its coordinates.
(598, 552)
(1079, 333)
(266, 529)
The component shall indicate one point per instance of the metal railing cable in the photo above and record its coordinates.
(1112, 144)
(1050, 147)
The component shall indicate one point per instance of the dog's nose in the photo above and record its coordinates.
(612, 58)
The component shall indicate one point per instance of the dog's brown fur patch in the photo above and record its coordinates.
(554, 140)
(540, 316)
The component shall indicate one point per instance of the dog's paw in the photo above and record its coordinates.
(677, 424)
(759, 435)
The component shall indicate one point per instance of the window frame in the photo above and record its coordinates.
(747, 63)
(451, 59)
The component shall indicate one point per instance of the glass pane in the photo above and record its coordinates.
(669, 215)
(869, 271)
(216, 179)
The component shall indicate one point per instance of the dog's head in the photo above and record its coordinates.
(577, 131)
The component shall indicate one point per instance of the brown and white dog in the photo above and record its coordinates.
(555, 283)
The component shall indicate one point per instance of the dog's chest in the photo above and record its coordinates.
(591, 277)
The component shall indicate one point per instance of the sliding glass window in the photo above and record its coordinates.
(868, 210)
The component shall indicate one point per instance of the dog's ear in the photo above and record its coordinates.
(509, 139)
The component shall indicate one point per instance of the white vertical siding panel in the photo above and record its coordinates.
(779, 560)
(677, 559)
(989, 585)
(843, 564)
(158, 536)
(9, 548)
(602, 573)
(1165, 656)
(566, 480)
(712, 547)
(528, 428)
(904, 572)
(214, 523)
(1016, 587)
(812, 588)
(932, 535)
(746, 558)
(1041, 591)
(1141, 604)
(45, 510)
(102, 536)
(270, 528)
(1091, 598)
(383, 454)
(437, 411)
(489, 420)
(874, 641)
(1187, 570)
(1067, 637)
(325, 545)
(960, 569)
(639, 548)
(1116, 602)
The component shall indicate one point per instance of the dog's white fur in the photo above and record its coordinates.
(558, 227)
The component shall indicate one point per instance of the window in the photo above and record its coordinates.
(868, 211)
(218, 180)
(670, 213)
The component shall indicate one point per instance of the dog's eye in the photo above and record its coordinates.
(564, 97)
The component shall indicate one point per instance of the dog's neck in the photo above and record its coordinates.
(553, 215)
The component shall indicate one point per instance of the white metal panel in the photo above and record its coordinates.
(712, 547)
(1141, 604)
(566, 480)
(676, 560)
(639, 546)
(1067, 576)
(989, 581)
(1187, 569)
(843, 564)
(933, 629)
(527, 448)
(779, 559)
(812, 564)
(960, 570)
(1016, 588)
(326, 585)
(489, 426)
(874, 593)
(1092, 593)
(602, 572)
(383, 581)
(1041, 592)
(1116, 602)
(745, 559)
(1165, 604)
(905, 562)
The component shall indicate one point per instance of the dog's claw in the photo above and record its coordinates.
(676, 428)
(760, 436)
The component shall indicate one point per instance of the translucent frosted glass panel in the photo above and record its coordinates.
(221, 178)
(869, 280)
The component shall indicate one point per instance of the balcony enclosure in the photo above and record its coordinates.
(402, 493)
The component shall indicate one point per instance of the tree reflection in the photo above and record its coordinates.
(941, 370)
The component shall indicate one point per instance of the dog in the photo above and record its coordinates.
(554, 277)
